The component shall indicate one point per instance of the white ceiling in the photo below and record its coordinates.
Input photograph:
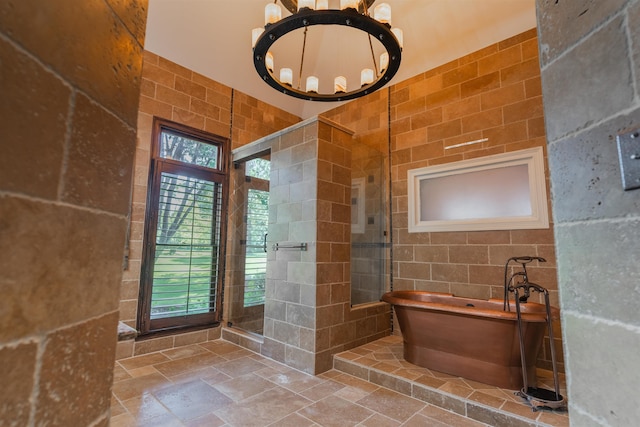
(213, 38)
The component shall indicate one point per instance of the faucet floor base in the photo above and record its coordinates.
(540, 398)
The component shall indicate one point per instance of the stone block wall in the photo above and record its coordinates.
(590, 57)
(68, 115)
(176, 93)
(308, 314)
(493, 93)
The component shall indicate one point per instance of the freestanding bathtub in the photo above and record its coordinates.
(468, 337)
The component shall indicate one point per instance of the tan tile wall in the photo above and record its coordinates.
(173, 92)
(308, 315)
(493, 93)
(65, 184)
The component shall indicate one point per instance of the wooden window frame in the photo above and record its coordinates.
(220, 175)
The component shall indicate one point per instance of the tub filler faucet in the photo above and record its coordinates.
(524, 285)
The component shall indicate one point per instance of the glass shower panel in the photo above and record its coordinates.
(369, 248)
(245, 287)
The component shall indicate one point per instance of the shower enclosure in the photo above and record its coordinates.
(369, 223)
(248, 221)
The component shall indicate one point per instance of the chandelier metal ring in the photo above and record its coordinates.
(347, 17)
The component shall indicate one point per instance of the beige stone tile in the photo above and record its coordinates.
(240, 366)
(392, 404)
(456, 388)
(128, 389)
(263, 408)
(209, 374)
(220, 347)
(379, 420)
(62, 276)
(140, 372)
(99, 163)
(186, 351)
(295, 380)
(144, 407)
(116, 407)
(77, 369)
(448, 418)
(192, 399)
(293, 420)
(419, 420)
(123, 420)
(17, 365)
(140, 361)
(187, 364)
(208, 420)
(34, 121)
(322, 390)
(486, 399)
(335, 411)
(244, 386)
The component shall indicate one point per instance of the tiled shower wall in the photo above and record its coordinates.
(68, 114)
(591, 84)
(308, 314)
(173, 92)
(493, 93)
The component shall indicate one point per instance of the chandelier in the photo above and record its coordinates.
(308, 13)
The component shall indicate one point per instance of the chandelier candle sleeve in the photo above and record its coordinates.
(312, 84)
(306, 3)
(399, 35)
(340, 84)
(255, 34)
(366, 77)
(269, 61)
(344, 4)
(286, 76)
(384, 62)
(382, 13)
(322, 5)
(272, 13)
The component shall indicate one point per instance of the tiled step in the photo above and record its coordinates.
(380, 362)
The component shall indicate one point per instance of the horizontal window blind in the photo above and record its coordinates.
(255, 269)
(187, 258)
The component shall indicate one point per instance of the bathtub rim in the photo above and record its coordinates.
(394, 298)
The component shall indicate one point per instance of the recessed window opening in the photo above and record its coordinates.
(183, 253)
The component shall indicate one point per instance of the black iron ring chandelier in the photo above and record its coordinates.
(307, 13)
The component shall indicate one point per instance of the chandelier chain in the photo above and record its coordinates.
(304, 45)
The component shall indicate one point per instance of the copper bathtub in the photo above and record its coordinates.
(467, 337)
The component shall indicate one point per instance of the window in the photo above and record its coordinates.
(183, 251)
(500, 192)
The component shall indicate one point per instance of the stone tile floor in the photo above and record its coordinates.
(218, 383)
(381, 363)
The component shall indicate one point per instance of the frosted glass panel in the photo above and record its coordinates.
(500, 192)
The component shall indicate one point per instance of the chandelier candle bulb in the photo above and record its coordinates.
(272, 13)
(306, 3)
(255, 35)
(382, 13)
(366, 76)
(322, 5)
(312, 84)
(269, 61)
(340, 84)
(384, 62)
(286, 76)
(399, 35)
(344, 4)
